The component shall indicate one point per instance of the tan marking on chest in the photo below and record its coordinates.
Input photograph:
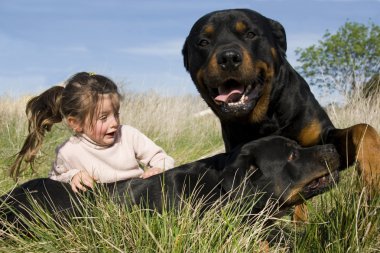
(310, 134)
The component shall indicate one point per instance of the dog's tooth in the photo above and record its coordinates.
(241, 102)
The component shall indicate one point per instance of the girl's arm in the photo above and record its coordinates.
(148, 153)
(63, 172)
(78, 179)
(81, 181)
(151, 172)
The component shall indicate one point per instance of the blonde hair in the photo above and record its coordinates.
(79, 99)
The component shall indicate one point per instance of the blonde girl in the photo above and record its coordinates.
(100, 150)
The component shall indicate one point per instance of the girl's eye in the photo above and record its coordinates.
(103, 118)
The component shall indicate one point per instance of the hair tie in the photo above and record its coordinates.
(91, 73)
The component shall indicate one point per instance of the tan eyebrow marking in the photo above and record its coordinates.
(208, 29)
(240, 26)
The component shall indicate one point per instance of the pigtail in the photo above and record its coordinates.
(42, 112)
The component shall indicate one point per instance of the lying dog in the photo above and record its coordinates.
(275, 166)
(237, 60)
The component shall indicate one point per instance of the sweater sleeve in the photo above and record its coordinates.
(61, 170)
(148, 153)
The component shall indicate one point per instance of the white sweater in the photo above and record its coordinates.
(109, 164)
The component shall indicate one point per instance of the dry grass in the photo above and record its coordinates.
(357, 110)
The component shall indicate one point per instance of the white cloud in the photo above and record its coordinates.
(165, 48)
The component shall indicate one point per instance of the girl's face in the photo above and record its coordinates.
(104, 126)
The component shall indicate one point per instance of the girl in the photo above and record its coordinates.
(101, 150)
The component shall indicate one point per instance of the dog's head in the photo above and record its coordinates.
(282, 170)
(232, 57)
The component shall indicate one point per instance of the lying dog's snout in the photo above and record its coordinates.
(330, 155)
(330, 148)
(229, 59)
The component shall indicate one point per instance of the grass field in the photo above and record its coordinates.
(342, 220)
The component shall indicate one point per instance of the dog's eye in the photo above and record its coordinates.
(250, 35)
(292, 156)
(203, 43)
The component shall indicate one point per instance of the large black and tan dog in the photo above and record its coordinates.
(237, 60)
(275, 166)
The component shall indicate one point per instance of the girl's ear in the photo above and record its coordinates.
(74, 124)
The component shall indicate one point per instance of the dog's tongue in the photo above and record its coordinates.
(232, 95)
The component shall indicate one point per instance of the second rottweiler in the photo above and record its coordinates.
(237, 60)
(275, 166)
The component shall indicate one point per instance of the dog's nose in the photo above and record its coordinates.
(229, 59)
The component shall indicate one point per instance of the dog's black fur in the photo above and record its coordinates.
(237, 60)
(275, 166)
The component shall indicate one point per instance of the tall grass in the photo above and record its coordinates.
(356, 110)
(342, 220)
(106, 227)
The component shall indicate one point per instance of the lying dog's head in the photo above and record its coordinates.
(282, 169)
(232, 56)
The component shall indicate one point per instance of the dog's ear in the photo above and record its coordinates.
(279, 34)
(185, 56)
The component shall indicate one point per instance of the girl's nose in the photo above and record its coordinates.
(115, 121)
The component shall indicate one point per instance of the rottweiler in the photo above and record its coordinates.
(237, 60)
(275, 167)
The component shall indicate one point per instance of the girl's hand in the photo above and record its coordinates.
(81, 180)
(151, 172)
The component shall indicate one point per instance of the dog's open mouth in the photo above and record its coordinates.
(320, 185)
(234, 96)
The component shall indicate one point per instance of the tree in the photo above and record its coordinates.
(343, 61)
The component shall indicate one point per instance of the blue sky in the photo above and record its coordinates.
(138, 43)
